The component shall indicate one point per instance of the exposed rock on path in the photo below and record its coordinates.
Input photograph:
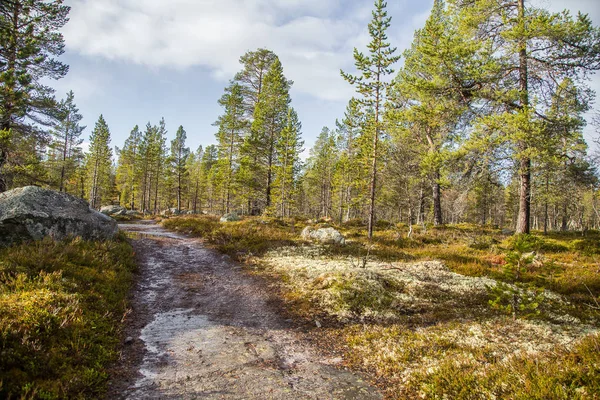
(202, 328)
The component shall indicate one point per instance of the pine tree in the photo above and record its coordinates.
(350, 179)
(99, 164)
(318, 177)
(179, 156)
(432, 90)
(30, 39)
(208, 184)
(145, 163)
(251, 78)
(287, 149)
(232, 126)
(195, 168)
(270, 117)
(67, 139)
(129, 170)
(525, 44)
(160, 156)
(371, 84)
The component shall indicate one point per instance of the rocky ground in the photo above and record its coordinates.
(200, 327)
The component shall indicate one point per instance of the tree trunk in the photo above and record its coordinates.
(421, 215)
(270, 166)
(3, 157)
(565, 221)
(437, 198)
(178, 191)
(546, 207)
(374, 165)
(437, 201)
(523, 219)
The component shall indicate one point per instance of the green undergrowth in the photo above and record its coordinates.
(243, 239)
(434, 364)
(567, 263)
(61, 308)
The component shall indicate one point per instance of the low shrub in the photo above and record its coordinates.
(61, 305)
(249, 237)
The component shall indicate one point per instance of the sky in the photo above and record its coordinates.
(136, 61)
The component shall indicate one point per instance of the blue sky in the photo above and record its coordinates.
(137, 61)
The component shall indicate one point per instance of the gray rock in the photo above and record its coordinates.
(323, 235)
(133, 213)
(507, 231)
(113, 210)
(31, 213)
(129, 340)
(231, 217)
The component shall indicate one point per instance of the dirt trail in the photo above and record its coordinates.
(202, 328)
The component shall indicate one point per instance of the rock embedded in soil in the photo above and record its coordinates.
(113, 210)
(232, 217)
(323, 235)
(32, 213)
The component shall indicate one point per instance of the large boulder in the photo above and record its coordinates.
(113, 210)
(231, 217)
(323, 235)
(31, 213)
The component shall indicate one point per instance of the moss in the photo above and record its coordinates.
(559, 374)
(61, 306)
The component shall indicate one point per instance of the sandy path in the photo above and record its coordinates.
(203, 329)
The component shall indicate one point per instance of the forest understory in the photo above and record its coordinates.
(440, 313)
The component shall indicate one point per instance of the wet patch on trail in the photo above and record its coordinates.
(202, 328)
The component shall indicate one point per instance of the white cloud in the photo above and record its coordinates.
(314, 38)
(85, 84)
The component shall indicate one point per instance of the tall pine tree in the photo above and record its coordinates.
(99, 164)
(30, 41)
(372, 85)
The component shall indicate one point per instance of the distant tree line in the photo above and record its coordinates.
(482, 123)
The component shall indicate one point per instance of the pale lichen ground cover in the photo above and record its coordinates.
(416, 316)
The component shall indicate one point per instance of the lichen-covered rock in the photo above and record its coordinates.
(231, 217)
(323, 235)
(31, 213)
(113, 210)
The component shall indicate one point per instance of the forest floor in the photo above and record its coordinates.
(200, 326)
(426, 316)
